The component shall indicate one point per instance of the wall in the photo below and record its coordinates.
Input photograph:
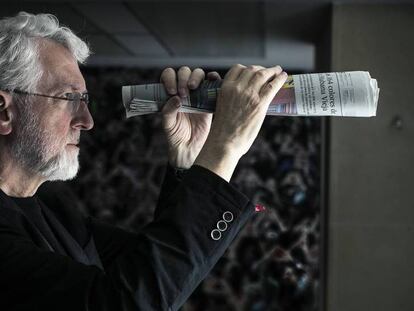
(371, 209)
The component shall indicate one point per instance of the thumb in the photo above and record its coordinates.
(170, 110)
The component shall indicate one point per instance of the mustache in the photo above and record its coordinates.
(74, 138)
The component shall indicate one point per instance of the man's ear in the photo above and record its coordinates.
(5, 113)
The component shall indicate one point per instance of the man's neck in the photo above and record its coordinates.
(17, 182)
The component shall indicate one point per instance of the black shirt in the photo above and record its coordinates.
(31, 207)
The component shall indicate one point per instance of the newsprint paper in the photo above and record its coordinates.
(343, 94)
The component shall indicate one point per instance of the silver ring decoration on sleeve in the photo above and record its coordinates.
(228, 216)
(216, 234)
(222, 225)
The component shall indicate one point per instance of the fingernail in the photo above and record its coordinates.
(192, 84)
(279, 68)
(284, 74)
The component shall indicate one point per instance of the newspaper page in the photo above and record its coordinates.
(346, 94)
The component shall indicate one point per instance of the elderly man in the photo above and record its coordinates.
(52, 257)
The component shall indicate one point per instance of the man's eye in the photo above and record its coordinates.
(69, 96)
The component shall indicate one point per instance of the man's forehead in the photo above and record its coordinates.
(55, 81)
(63, 83)
(60, 67)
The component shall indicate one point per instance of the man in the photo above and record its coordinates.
(53, 258)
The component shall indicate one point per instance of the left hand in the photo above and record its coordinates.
(186, 132)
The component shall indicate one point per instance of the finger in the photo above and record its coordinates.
(196, 77)
(270, 89)
(248, 73)
(234, 72)
(168, 78)
(183, 76)
(262, 76)
(213, 75)
(169, 112)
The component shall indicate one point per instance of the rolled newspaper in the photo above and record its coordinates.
(345, 94)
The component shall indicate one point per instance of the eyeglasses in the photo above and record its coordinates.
(76, 98)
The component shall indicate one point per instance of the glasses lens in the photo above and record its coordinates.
(85, 98)
(77, 98)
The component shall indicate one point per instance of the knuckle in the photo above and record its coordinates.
(256, 67)
(168, 70)
(261, 73)
(184, 69)
(198, 70)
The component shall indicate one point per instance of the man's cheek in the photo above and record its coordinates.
(61, 129)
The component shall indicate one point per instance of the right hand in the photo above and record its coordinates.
(242, 104)
(241, 107)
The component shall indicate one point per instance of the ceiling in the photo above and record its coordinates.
(198, 33)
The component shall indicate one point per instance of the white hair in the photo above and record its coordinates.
(20, 66)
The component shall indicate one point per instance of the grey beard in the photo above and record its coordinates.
(29, 148)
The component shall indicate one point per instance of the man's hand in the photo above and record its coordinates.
(186, 132)
(241, 107)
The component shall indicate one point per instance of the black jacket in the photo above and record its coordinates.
(112, 269)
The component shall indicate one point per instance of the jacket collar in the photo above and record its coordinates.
(69, 225)
(13, 218)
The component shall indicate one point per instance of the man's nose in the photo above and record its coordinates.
(82, 119)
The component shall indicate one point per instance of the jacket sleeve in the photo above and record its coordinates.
(172, 178)
(156, 269)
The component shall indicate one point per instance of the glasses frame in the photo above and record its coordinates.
(83, 96)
